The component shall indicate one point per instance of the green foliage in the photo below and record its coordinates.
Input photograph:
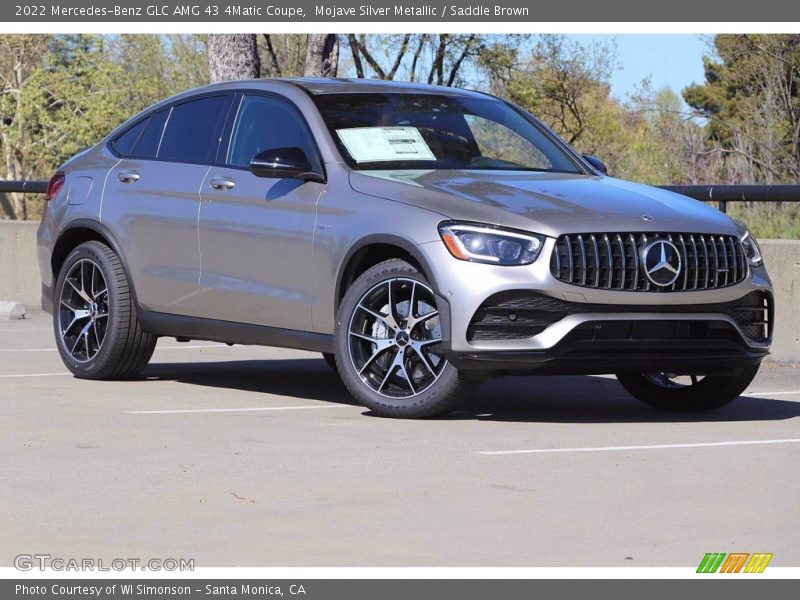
(769, 221)
(73, 90)
(70, 104)
(751, 100)
(61, 93)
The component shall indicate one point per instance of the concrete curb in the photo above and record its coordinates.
(12, 310)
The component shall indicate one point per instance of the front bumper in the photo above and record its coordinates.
(595, 339)
(603, 357)
(681, 331)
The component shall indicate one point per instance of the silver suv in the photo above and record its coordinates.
(421, 238)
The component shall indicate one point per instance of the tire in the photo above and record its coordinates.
(660, 392)
(396, 375)
(107, 342)
(330, 360)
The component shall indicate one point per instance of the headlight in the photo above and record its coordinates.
(492, 245)
(750, 245)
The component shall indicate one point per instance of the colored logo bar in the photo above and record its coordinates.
(735, 562)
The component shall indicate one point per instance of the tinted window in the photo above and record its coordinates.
(124, 144)
(264, 124)
(147, 146)
(190, 129)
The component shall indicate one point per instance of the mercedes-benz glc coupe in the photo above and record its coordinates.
(422, 238)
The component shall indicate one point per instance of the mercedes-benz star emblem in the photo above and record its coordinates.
(662, 262)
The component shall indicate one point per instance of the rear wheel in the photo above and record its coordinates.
(387, 345)
(97, 332)
(688, 393)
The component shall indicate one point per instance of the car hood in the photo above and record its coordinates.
(548, 203)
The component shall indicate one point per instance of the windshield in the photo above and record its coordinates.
(431, 131)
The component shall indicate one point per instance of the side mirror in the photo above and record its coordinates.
(596, 163)
(283, 163)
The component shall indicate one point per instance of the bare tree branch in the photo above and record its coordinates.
(275, 67)
(359, 66)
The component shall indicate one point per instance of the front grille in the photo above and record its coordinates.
(613, 261)
(520, 314)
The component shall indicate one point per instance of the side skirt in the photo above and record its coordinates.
(228, 332)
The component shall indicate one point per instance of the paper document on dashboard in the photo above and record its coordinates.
(379, 144)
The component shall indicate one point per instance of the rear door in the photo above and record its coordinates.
(152, 200)
(256, 233)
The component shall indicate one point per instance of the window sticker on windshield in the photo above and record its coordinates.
(379, 144)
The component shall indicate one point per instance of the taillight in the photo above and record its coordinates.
(54, 185)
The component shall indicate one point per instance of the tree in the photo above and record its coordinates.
(232, 57)
(63, 93)
(751, 99)
(441, 59)
(322, 55)
(20, 57)
(284, 55)
(564, 83)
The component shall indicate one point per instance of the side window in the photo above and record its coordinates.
(124, 144)
(262, 124)
(147, 146)
(190, 130)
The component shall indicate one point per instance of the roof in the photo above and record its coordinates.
(322, 85)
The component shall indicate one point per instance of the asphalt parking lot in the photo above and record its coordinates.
(247, 456)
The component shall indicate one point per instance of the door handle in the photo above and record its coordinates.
(128, 176)
(222, 183)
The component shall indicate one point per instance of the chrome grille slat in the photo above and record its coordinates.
(610, 258)
(644, 243)
(582, 248)
(596, 251)
(685, 258)
(590, 260)
(696, 261)
(635, 262)
(569, 256)
(724, 258)
(622, 262)
(707, 267)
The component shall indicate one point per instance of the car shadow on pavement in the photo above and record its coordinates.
(589, 399)
(553, 399)
(306, 379)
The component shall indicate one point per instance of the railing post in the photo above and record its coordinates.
(723, 206)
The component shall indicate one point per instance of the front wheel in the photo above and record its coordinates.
(689, 393)
(387, 345)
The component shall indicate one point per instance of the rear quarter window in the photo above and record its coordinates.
(147, 145)
(124, 143)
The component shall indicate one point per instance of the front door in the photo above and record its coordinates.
(256, 233)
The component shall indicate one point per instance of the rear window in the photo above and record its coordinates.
(191, 128)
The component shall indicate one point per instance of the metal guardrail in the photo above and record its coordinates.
(25, 187)
(721, 194)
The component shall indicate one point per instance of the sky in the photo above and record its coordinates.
(669, 60)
